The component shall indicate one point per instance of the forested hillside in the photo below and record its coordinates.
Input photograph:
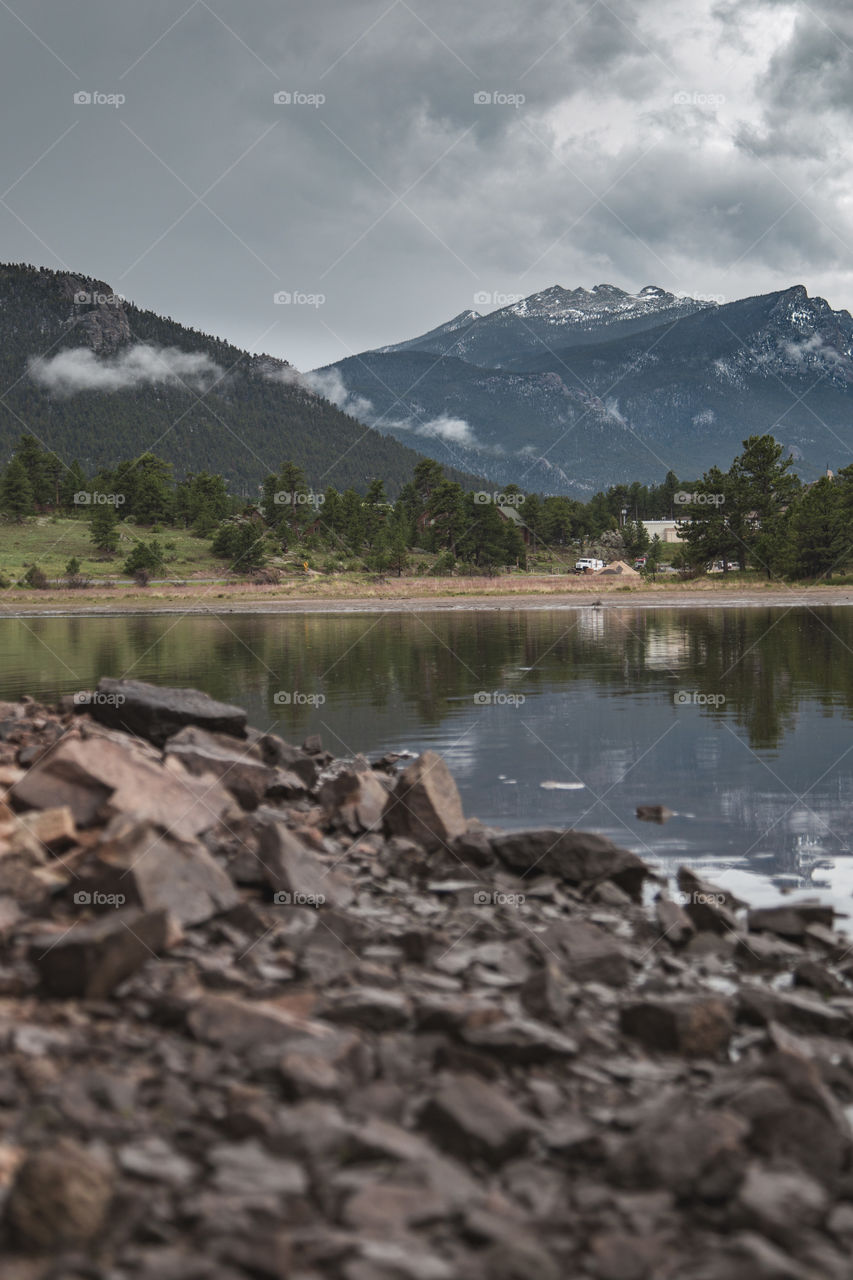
(96, 380)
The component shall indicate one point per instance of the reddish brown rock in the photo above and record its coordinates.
(239, 766)
(696, 1027)
(91, 960)
(425, 805)
(97, 777)
(152, 871)
(295, 874)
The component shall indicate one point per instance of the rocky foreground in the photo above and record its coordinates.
(268, 1014)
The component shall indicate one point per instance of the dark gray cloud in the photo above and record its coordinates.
(699, 147)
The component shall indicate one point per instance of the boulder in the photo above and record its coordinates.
(697, 1027)
(790, 921)
(154, 871)
(425, 805)
(238, 765)
(295, 874)
(91, 960)
(710, 907)
(591, 955)
(156, 713)
(353, 798)
(675, 924)
(97, 777)
(476, 1120)
(577, 857)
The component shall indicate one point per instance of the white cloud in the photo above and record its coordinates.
(329, 384)
(80, 369)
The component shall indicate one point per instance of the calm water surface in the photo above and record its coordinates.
(737, 719)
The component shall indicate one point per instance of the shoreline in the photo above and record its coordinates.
(468, 594)
(274, 999)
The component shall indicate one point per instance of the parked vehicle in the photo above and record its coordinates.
(588, 563)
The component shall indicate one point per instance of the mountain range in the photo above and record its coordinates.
(96, 380)
(573, 390)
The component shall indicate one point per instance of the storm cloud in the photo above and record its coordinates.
(316, 179)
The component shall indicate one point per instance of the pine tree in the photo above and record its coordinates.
(761, 490)
(817, 538)
(712, 527)
(16, 492)
(103, 528)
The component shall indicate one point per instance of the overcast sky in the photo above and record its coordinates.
(695, 145)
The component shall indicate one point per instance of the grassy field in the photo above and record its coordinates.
(50, 542)
(194, 579)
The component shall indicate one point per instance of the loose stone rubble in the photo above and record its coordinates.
(272, 1015)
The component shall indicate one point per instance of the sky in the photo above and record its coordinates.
(314, 179)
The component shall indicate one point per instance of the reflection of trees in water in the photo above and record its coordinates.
(763, 661)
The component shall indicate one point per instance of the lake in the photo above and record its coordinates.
(737, 719)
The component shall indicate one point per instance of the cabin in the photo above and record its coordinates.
(511, 514)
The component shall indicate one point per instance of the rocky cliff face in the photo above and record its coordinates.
(97, 313)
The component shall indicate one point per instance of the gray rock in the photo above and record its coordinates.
(577, 857)
(591, 954)
(154, 1160)
(247, 1172)
(780, 1203)
(156, 713)
(790, 921)
(476, 1120)
(372, 1008)
(291, 869)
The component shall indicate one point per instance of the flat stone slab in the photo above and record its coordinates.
(156, 713)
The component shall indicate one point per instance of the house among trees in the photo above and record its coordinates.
(513, 515)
